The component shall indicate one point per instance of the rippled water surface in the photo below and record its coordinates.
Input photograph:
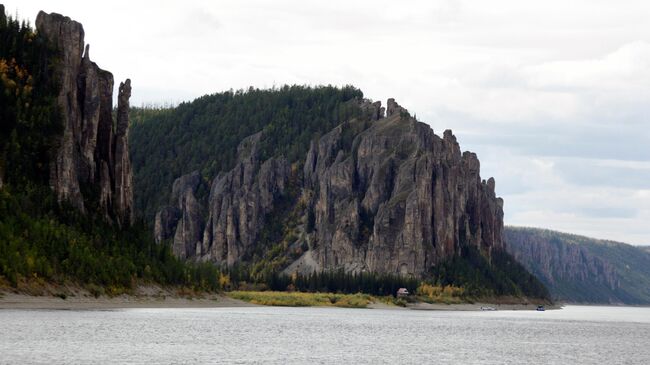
(272, 335)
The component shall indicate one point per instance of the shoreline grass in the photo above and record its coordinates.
(300, 299)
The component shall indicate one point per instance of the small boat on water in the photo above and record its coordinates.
(540, 308)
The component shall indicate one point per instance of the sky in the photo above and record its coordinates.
(553, 96)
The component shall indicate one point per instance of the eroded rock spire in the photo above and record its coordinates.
(93, 157)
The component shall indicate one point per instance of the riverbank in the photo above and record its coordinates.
(297, 299)
(81, 302)
(156, 297)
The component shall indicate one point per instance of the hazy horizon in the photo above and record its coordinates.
(553, 97)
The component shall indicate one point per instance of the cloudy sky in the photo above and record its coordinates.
(554, 96)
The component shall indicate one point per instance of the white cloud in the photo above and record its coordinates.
(626, 69)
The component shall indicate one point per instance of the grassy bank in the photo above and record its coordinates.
(426, 294)
(297, 299)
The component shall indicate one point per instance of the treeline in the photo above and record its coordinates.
(204, 134)
(480, 276)
(337, 281)
(43, 240)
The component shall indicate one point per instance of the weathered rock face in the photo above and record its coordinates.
(122, 174)
(381, 193)
(189, 230)
(93, 154)
(239, 202)
(182, 221)
(400, 200)
(165, 223)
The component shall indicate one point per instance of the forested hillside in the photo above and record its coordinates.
(44, 240)
(581, 269)
(204, 134)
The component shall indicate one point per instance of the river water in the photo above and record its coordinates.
(274, 335)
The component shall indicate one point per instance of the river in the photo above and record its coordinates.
(275, 335)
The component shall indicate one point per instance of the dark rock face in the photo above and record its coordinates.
(183, 220)
(165, 223)
(122, 174)
(400, 200)
(93, 154)
(381, 194)
(239, 202)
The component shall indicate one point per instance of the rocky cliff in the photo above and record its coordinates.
(582, 269)
(378, 193)
(184, 219)
(419, 198)
(92, 161)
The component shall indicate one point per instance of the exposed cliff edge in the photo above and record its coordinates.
(92, 161)
(581, 269)
(379, 193)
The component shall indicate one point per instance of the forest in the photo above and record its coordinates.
(500, 275)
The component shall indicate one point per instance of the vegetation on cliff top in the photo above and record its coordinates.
(204, 134)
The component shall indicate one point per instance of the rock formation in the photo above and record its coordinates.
(92, 161)
(240, 201)
(379, 193)
(183, 220)
(416, 196)
(165, 223)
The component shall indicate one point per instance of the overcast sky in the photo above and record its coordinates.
(554, 96)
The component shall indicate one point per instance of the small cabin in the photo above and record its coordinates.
(402, 292)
